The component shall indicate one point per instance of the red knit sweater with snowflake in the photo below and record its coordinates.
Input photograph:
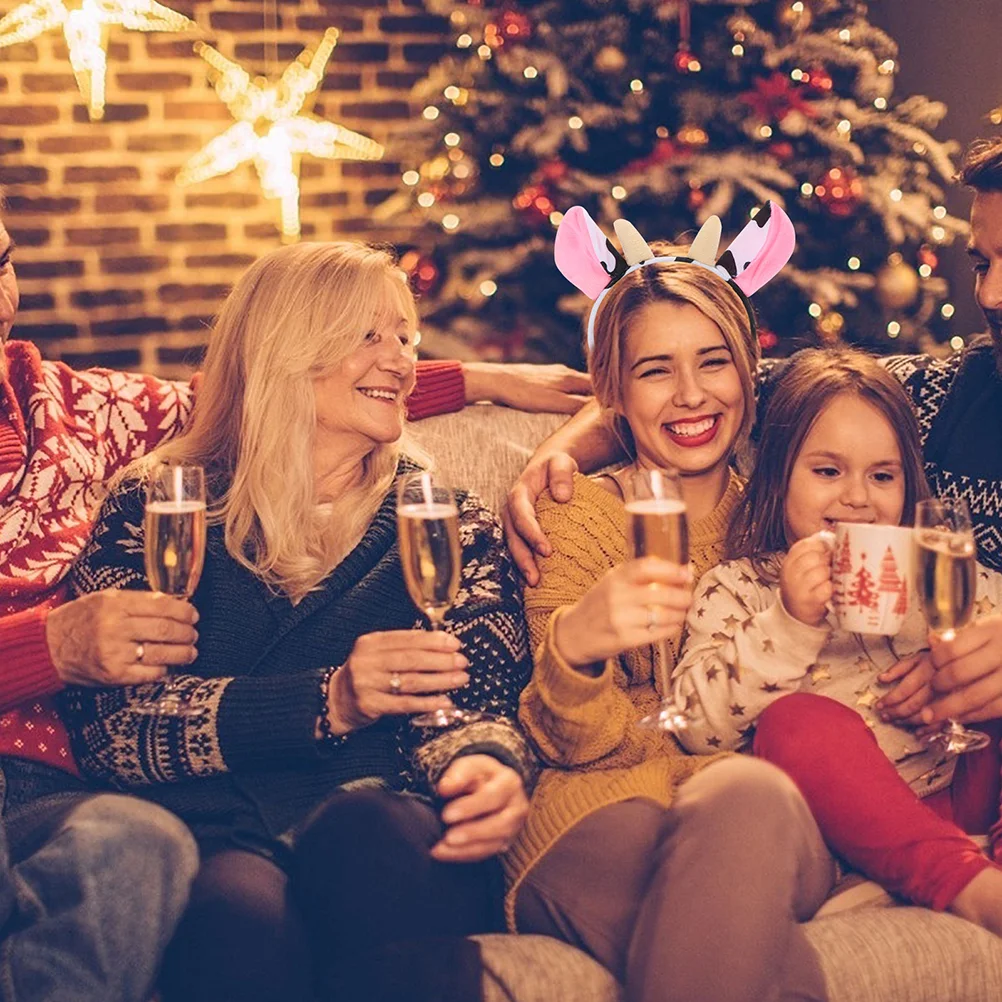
(63, 435)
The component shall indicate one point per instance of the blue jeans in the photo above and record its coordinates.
(91, 888)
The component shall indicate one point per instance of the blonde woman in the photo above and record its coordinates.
(696, 870)
(311, 655)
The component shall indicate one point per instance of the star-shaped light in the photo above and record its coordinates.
(270, 132)
(85, 26)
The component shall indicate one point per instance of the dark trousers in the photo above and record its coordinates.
(364, 913)
(698, 903)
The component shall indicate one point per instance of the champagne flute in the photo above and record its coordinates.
(656, 526)
(174, 552)
(947, 579)
(431, 558)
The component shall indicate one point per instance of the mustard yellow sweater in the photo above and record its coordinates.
(585, 728)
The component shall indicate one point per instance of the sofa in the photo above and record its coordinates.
(871, 949)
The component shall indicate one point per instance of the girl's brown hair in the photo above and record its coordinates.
(676, 282)
(813, 379)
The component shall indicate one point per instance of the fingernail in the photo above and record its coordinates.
(197, 617)
(460, 662)
(927, 715)
(879, 704)
(455, 838)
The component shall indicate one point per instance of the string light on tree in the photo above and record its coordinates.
(270, 130)
(796, 15)
(86, 27)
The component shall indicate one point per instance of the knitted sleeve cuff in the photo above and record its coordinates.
(269, 721)
(799, 643)
(440, 389)
(559, 682)
(28, 671)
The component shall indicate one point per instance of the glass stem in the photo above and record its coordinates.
(661, 666)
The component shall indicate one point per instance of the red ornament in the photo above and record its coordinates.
(535, 203)
(782, 151)
(685, 61)
(775, 97)
(817, 81)
(927, 256)
(695, 198)
(511, 26)
(662, 151)
(839, 191)
(551, 171)
(422, 271)
(767, 339)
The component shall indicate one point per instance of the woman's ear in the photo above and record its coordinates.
(761, 250)
(584, 255)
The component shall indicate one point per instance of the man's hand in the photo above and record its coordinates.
(904, 703)
(95, 639)
(552, 388)
(968, 680)
(486, 809)
(521, 528)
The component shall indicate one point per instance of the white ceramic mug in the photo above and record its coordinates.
(873, 576)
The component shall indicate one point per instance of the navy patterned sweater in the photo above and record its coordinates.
(249, 769)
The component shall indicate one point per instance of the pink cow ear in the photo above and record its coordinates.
(761, 250)
(584, 254)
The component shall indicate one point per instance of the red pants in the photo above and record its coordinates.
(868, 814)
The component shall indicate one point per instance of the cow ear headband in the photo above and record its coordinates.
(589, 261)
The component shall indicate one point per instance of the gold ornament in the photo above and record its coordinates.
(85, 28)
(270, 132)
(692, 135)
(796, 15)
(609, 59)
(829, 326)
(898, 284)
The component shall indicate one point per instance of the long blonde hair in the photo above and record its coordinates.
(676, 282)
(295, 314)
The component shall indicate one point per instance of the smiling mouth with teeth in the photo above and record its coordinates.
(376, 394)
(690, 429)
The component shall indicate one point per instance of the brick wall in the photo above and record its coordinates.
(118, 265)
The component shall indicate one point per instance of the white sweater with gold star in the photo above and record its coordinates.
(743, 650)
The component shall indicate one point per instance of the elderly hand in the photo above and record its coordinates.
(968, 679)
(392, 672)
(554, 389)
(117, 637)
(904, 703)
(521, 528)
(487, 807)
(629, 606)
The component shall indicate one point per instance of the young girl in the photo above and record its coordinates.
(765, 657)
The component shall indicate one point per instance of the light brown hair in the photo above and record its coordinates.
(981, 168)
(813, 379)
(676, 282)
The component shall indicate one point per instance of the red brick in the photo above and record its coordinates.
(164, 143)
(10, 145)
(342, 81)
(199, 322)
(130, 325)
(47, 83)
(191, 356)
(22, 52)
(100, 175)
(40, 333)
(90, 142)
(413, 24)
(425, 53)
(49, 269)
(29, 237)
(320, 23)
(219, 261)
(135, 265)
(261, 231)
(367, 111)
(117, 50)
(159, 47)
(222, 200)
(398, 80)
(153, 81)
(41, 205)
(124, 358)
(177, 293)
(4, 86)
(102, 236)
(355, 3)
(190, 232)
(376, 196)
(31, 301)
(114, 113)
(23, 174)
(131, 203)
(259, 53)
(239, 21)
(29, 114)
(88, 299)
(193, 111)
(370, 168)
(324, 200)
(362, 52)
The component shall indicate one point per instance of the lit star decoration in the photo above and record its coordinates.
(85, 27)
(270, 132)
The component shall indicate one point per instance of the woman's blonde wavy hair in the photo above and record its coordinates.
(294, 315)
(676, 282)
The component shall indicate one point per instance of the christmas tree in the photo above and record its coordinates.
(862, 592)
(666, 112)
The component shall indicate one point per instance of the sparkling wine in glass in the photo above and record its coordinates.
(432, 559)
(174, 551)
(947, 579)
(657, 526)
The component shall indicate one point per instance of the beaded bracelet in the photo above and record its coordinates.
(328, 739)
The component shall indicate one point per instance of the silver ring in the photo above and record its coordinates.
(395, 684)
(652, 618)
(140, 651)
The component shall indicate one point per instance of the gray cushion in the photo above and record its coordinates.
(868, 954)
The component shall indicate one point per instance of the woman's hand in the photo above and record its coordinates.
(903, 704)
(394, 672)
(805, 580)
(552, 388)
(487, 807)
(629, 606)
(968, 679)
(97, 639)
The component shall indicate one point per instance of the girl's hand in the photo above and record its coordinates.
(423, 661)
(805, 580)
(631, 605)
(487, 806)
(904, 703)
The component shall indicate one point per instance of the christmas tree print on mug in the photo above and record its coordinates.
(873, 567)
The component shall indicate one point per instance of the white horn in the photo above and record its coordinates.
(704, 248)
(634, 246)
